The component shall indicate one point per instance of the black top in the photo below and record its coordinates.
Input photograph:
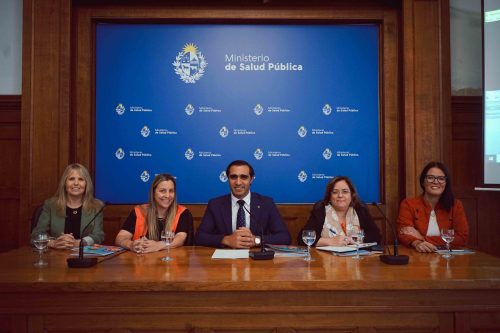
(317, 219)
(185, 225)
(73, 221)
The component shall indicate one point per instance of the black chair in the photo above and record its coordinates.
(35, 216)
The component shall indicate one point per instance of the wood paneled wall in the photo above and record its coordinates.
(10, 148)
(427, 88)
(57, 113)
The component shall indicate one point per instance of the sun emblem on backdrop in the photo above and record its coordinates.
(190, 64)
(327, 154)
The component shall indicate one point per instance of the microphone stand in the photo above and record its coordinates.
(394, 259)
(81, 261)
(262, 254)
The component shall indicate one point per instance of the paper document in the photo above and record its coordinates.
(456, 251)
(362, 245)
(338, 249)
(230, 254)
(353, 253)
(341, 249)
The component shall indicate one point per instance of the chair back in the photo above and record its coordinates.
(35, 216)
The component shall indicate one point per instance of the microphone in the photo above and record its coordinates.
(394, 259)
(81, 261)
(262, 254)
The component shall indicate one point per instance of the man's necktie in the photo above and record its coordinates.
(240, 218)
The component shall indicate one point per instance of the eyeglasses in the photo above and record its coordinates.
(338, 192)
(242, 177)
(432, 179)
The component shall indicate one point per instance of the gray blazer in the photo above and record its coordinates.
(52, 223)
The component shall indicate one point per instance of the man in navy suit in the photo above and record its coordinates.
(225, 224)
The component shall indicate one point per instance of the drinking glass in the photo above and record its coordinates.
(357, 236)
(308, 236)
(167, 237)
(41, 241)
(447, 235)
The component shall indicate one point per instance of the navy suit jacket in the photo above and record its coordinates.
(264, 215)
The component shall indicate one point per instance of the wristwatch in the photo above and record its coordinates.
(257, 240)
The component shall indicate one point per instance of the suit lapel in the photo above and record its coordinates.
(227, 214)
(255, 218)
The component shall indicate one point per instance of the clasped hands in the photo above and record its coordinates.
(145, 245)
(242, 238)
(420, 244)
(64, 241)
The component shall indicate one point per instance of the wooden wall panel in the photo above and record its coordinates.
(45, 121)
(10, 146)
(427, 87)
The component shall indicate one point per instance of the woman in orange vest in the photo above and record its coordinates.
(142, 229)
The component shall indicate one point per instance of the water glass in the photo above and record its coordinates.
(308, 236)
(41, 242)
(447, 235)
(358, 236)
(167, 237)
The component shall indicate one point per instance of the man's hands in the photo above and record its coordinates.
(240, 239)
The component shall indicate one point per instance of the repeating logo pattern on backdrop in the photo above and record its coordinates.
(145, 131)
(223, 177)
(327, 154)
(145, 176)
(258, 154)
(302, 131)
(258, 109)
(189, 154)
(189, 110)
(327, 109)
(190, 64)
(224, 132)
(120, 154)
(120, 109)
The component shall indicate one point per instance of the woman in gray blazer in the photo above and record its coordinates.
(67, 216)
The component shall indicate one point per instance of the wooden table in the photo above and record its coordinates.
(194, 293)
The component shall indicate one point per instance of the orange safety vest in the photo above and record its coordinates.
(140, 221)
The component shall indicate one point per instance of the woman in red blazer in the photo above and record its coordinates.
(421, 218)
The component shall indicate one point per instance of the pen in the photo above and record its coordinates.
(332, 231)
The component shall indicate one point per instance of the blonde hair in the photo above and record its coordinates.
(90, 204)
(152, 211)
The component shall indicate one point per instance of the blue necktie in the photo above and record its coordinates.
(240, 218)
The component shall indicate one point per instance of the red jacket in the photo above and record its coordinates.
(415, 212)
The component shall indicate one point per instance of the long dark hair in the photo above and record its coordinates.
(355, 201)
(447, 198)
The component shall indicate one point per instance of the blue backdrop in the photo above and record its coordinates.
(299, 102)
